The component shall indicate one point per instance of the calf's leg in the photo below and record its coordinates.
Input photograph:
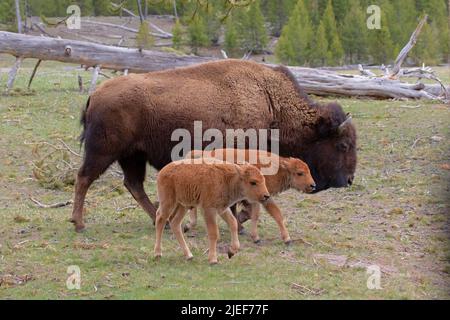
(255, 210)
(233, 225)
(175, 225)
(275, 212)
(162, 215)
(213, 234)
(134, 171)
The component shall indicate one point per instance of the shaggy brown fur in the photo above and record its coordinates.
(130, 119)
(212, 187)
(292, 173)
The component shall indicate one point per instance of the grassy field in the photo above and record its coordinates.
(395, 215)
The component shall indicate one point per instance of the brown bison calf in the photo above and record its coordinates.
(214, 187)
(291, 173)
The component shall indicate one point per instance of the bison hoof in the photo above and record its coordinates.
(186, 228)
(189, 258)
(230, 254)
(257, 241)
(288, 242)
(79, 228)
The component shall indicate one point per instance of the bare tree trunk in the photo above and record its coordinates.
(13, 72)
(33, 73)
(404, 52)
(164, 35)
(95, 73)
(141, 15)
(145, 9)
(175, 13)
(18, 17)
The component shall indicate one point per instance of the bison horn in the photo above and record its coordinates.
(341, 127)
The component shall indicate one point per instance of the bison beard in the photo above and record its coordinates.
(130, 119)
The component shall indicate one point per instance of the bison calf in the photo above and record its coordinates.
(291, 173)
(183, 185)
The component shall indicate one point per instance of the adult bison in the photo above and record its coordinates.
(130, 119)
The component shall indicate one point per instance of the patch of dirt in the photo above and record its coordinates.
(344, 261)
(10, 280)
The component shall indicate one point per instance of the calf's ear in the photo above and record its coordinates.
(239, 170)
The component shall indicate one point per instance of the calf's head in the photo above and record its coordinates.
(300, 176)
(331, 156)
(253, 184)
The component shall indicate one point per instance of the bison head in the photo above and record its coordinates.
(331, 155)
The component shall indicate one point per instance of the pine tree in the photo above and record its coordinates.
(231, 38)
(211, 17)
(426, 49)
(335, 50)
(143, 38)
(101, 7)
(87, 7)
(177, 32)
(381, 47)
(405, 21)
(197, 34)
(251, 30)
(340, 9)
(354, 33)
(277, 13)
(293, 47)
(7, 15)
(319, 48)
(438, 14)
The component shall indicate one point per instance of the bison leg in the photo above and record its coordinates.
(91, 169)
(275, 212)
(213, 234)
(233, 225)
(134, 172)
(175, 225)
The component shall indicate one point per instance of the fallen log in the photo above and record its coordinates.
(92, 54)
(314, 81)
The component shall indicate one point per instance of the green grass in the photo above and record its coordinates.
(395, 215)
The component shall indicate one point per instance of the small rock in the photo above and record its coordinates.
(437, 138)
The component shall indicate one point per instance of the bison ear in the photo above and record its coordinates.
(324, 127)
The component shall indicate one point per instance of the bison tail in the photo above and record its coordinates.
(83, 122)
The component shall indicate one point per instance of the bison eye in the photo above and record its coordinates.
(342, 146)
(253, 183)
(300, 174)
